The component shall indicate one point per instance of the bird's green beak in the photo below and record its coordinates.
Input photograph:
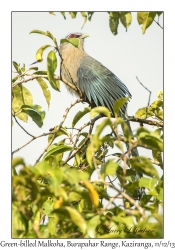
(84, 36)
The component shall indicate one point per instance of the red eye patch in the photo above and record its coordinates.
(73, 36)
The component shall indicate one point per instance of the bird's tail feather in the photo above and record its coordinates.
(134, 151)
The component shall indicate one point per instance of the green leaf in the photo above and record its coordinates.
(145, 199)
(16, 66)
(132, 185)
(159, 13)
(57, 150)
(157, 157)
(73, 196)
(42, 167)
(84, 14)
(79, 115)
(40, 72)
(158, 103)
(159, 114)
(27, 96)
(119, 145)
(73, 14)
(14, 79)
(158, 217)
(158, 131)
(47, 206)
(100, 111)
(113, 22)
(160, 194)
(89, 155)
(52, 60)
(150, 139)
(47, 33)
(109, 168)
(21, 95)
(46, 91)
(51, 67)
(22, 116)
(146, 19)
(92, 225)
(77, 219)
(63, 14)
(34, 111)
(126, 19)
(92, 193)
(101, 126)
(90, 13)
(144, 113)
(39, 53)
(73, 41)
(128, 221)
(17, 161)
(71, 175)
(61, 131)
(125, 128)
(118, 105)
(19, 223)
(144, 166)
(147, 183)
(51, 12)
(160, 95)
(23, 69)
(33, 68)
(84, 176)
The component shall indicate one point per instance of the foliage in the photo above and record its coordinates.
(57, 197)
(125, 18)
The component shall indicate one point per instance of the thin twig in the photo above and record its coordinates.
(126, 196)
(22, 127)
(109, 203)
(35, 137)
(158, 24)
(91, 122)
(32, 77)
(111, 181)
(148, 91)
(58, 128)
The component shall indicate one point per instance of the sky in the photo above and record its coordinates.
(127, 55)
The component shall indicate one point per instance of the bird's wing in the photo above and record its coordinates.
(100, 85)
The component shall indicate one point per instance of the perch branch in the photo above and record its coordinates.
(149, 122)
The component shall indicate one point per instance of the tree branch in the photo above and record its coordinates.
(149, 122)
(32, 77)
(91, 122)
(58, 128)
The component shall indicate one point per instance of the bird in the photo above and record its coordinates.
(99, 86)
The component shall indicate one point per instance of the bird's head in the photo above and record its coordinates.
(78, 36)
